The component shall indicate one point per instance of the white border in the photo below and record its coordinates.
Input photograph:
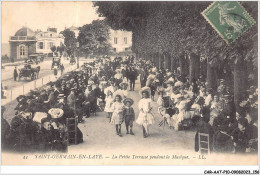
(123, 169)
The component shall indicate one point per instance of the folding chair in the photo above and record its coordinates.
(204, 146)
(72, 125)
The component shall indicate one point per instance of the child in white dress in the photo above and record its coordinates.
(145, 117)
(109, 100)
(117, 116)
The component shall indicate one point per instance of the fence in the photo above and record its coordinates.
(12, 94)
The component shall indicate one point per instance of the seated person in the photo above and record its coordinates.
(222, 138)
(241, 136)
(202, 126)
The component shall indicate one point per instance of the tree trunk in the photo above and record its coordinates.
(240, 82)
(211, 78)
(194, 67)
(181, 65)
(169, 62)
(172, 63)
(159, 60)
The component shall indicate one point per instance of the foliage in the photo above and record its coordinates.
(94, 38)
(53, 49)
(70, 41)
(178, 27)
(5, 59)
(61, 49)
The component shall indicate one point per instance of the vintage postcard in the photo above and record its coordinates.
(129, 83)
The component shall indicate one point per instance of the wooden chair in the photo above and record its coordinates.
(72, 125)
(204, 146)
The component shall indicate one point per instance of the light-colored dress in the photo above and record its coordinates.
(117, 116)
(183, 114)
(145, 116)
(109, 101)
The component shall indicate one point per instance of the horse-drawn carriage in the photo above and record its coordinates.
(28, 72)
(55, 61)
(35, 58)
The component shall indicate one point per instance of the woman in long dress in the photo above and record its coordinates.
(145, 117)
(117, 116)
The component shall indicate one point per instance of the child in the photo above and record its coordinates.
(117, 116)
(129, 115)
(109, 100)
(145, 117)
(167, 116)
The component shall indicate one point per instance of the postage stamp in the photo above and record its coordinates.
(229, 19)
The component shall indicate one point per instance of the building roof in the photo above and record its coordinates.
(24, 31)
(73, 28)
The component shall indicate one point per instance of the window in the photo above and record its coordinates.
(41, 45)
(126, 49)
(50, 35)
(51, 44)
(125, 40)
(115, 40)
(22, 51)
(114, 49)
(41, 34)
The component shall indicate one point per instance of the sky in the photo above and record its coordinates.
(41, 15)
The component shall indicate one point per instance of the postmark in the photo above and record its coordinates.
(229, 19)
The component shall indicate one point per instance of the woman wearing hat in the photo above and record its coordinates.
(145, 117)
(117, 116)
(118, 76)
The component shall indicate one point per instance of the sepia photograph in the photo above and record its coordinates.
(129, 83)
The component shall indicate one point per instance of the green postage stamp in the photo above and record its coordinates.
(229, 19)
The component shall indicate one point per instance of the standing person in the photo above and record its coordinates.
(15, 73)
(129, 115)
(71, 100)
(61, 69)
(132, 59)
(90, 97)
(55, 70)
(143, 77)
(145, 117)
(109, 100)
(133, 74)
(117, 116)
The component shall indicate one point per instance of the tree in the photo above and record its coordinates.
(53, 48)
(179, 27)
(70, 41)
(61, 49)
(94, 38)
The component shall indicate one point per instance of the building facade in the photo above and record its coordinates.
(121, 41)
(22, 44)
(45, 40)
(26, 42)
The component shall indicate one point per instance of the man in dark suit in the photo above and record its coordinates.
(132, 76)
(15, 74)
(90, 100)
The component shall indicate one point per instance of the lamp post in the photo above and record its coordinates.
(78, 55)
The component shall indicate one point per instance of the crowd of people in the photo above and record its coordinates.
(191, 105)
(104, 84)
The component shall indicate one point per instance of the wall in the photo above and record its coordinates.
(120, 35)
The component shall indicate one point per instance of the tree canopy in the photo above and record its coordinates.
(94, 38)
(70, 41)
(178, 27)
